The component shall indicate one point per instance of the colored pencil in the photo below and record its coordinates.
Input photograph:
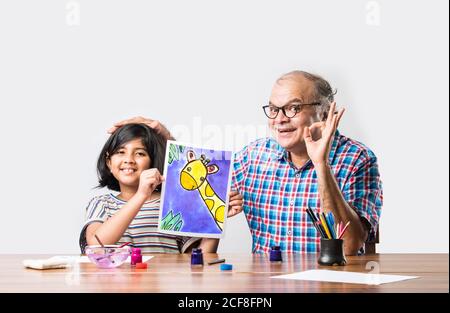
(314, 221)
(343, 230)
(330, 221)
(324, 224)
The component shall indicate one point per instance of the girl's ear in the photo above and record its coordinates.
(212, 169)
(190, 155)
(108, 161)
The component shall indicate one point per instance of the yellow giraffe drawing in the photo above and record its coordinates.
(194, 176)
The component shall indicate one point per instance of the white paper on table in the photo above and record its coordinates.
(85, 259)
(345, 277)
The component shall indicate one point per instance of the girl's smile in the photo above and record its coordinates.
(128, 170)
(128, 162)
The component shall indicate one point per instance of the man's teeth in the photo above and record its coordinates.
(285, 130)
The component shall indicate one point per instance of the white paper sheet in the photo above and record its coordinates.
(345, 277)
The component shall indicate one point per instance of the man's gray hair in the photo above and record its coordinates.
(324, 93)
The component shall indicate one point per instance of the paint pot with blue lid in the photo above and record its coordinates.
(226, 267)
(197, 257)
(275, 254)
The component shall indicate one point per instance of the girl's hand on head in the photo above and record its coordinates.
(149, 180)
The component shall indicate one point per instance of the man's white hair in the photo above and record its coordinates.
(324, 93)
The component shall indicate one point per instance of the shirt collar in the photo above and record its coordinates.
(278, 152)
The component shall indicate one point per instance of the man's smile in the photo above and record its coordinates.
(283, 130)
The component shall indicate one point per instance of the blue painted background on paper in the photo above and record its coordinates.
(195, 214)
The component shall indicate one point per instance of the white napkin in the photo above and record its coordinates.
(51, 263)
(64, 261)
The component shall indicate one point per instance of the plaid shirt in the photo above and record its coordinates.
(276, 193)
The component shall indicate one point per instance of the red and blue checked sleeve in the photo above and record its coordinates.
(363, 190)
(240, 166)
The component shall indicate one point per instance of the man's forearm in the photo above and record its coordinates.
(332, 200)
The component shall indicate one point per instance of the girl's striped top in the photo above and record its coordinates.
(142, 231)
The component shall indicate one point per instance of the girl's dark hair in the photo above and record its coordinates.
(154, 144)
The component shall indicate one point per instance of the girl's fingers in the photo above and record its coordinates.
(153, 179)
(152, 172)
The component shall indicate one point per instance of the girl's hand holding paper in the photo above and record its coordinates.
(149, 180)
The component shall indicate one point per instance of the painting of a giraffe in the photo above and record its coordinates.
(197, 183)
(194, 177)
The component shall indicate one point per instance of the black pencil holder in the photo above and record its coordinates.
(332, 252)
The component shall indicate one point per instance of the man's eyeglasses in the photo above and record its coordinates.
(289, 110)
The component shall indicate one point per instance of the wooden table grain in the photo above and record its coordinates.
(251, 274)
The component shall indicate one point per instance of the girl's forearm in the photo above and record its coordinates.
(113, 228)
(209, 245)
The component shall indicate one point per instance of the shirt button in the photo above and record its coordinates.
(289, 232)
(297, 175)
(292, 203)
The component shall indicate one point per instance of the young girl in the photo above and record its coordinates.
(131, 162)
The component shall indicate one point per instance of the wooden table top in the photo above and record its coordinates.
(251, 274)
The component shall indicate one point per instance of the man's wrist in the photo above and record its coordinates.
(322, 166)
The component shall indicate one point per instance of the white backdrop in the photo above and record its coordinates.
(69, 69)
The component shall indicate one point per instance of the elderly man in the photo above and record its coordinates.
(307, 163)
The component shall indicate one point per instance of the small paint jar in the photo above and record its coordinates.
(275, 254)
(136, 256)
(197, 258)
